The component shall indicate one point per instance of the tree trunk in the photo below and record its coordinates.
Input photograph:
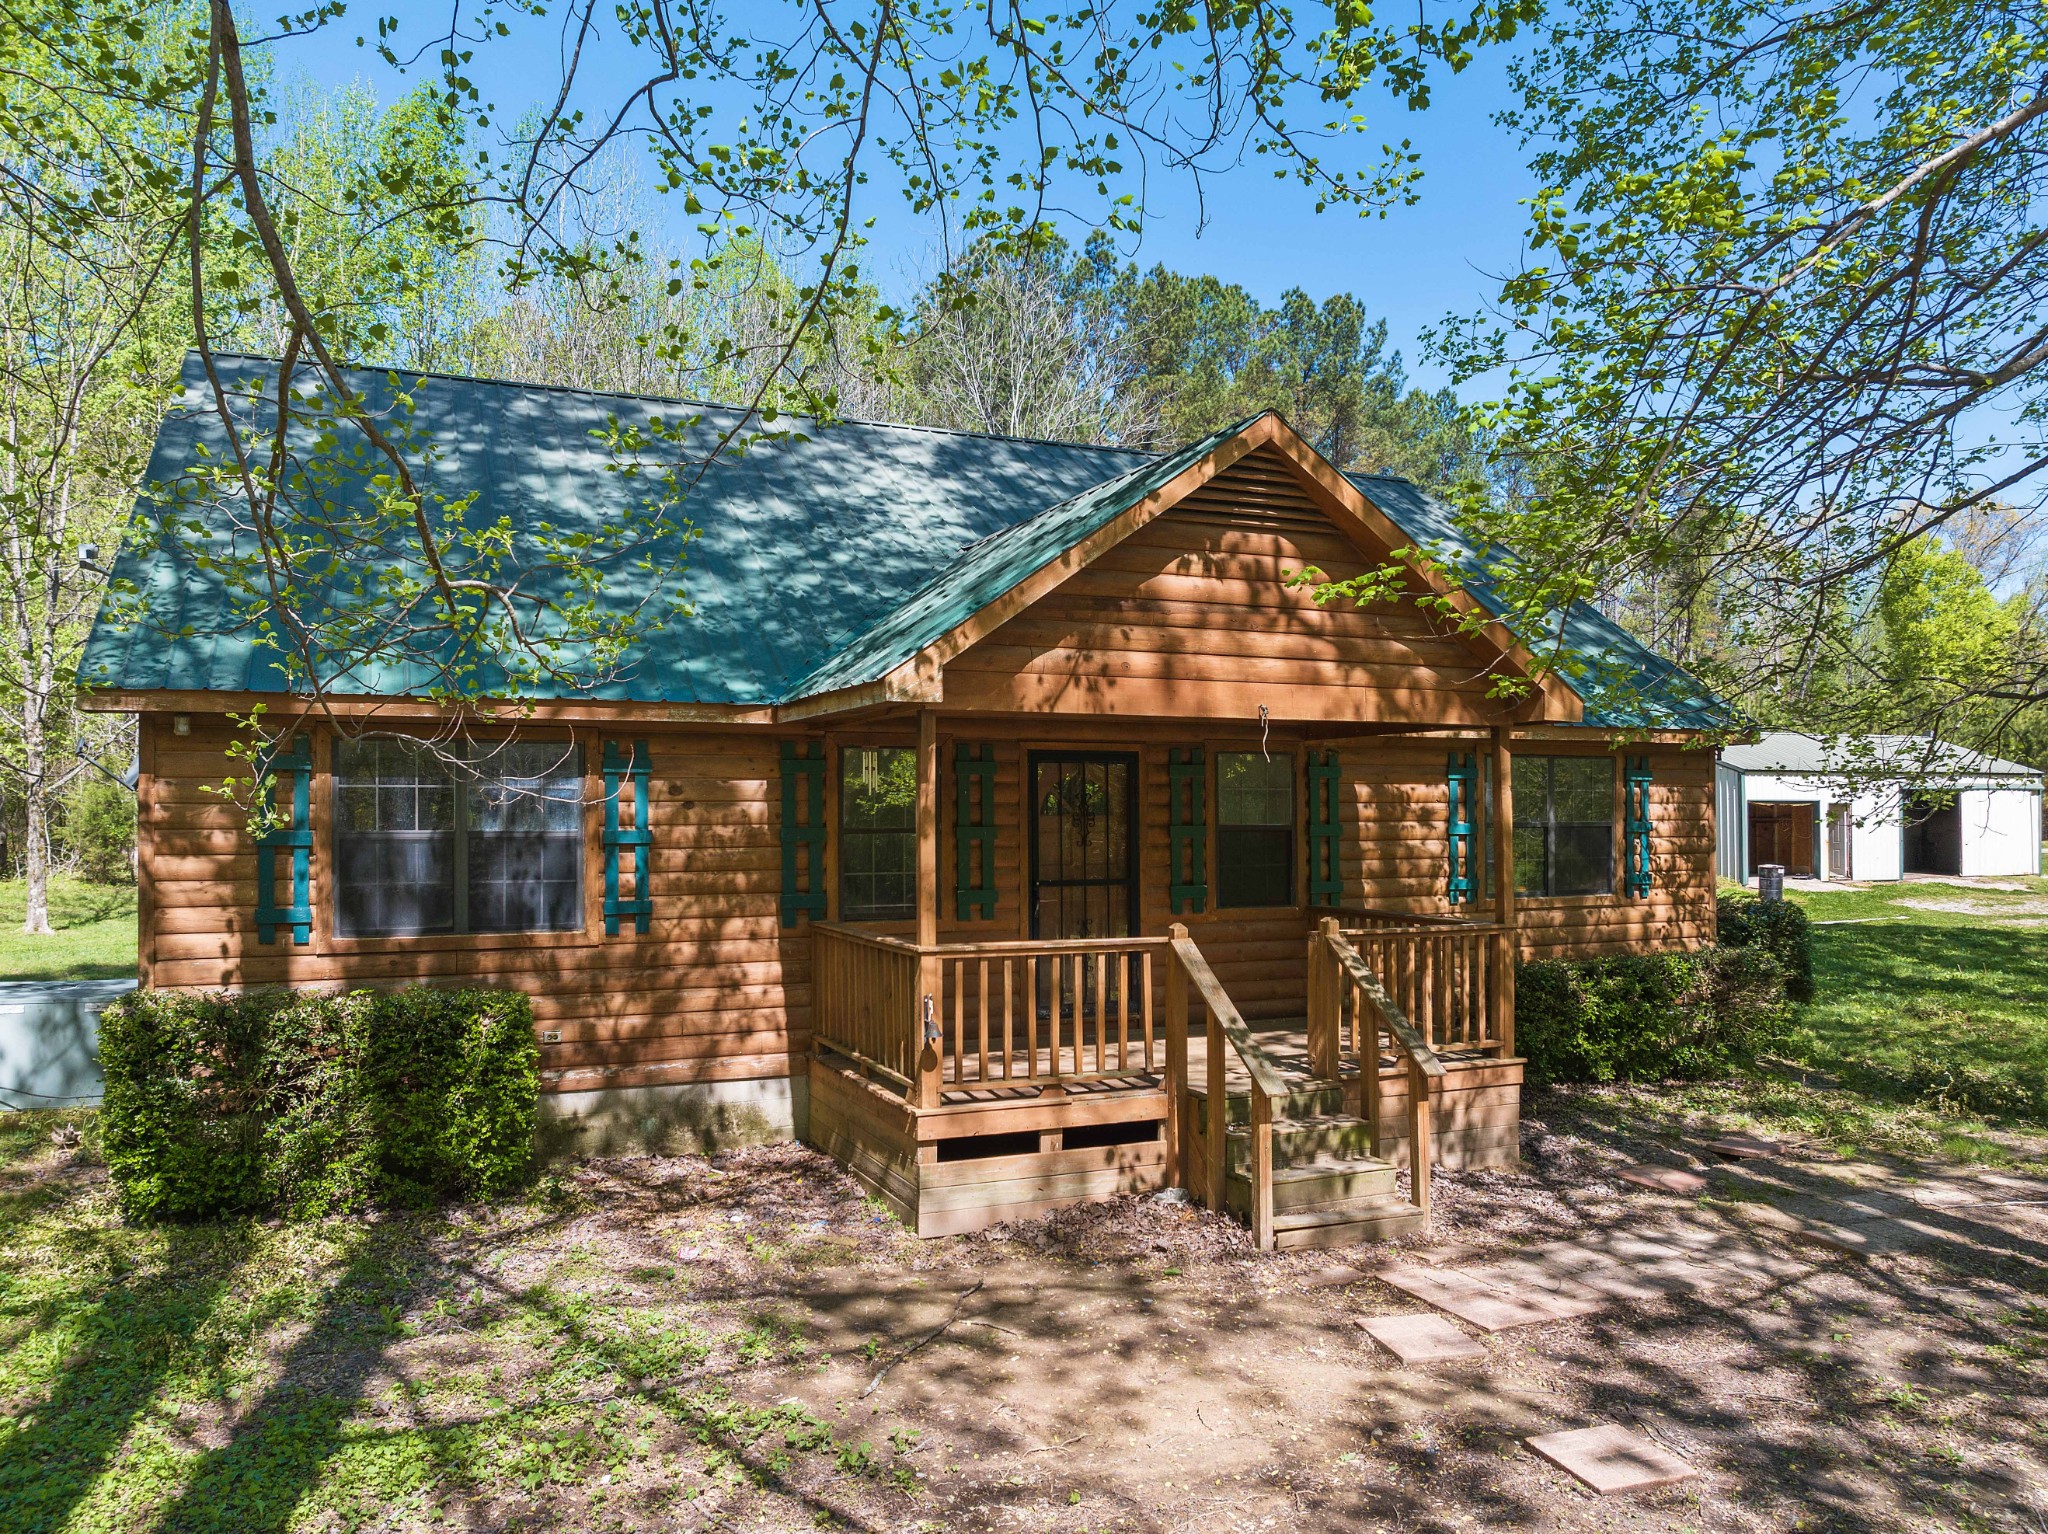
(37, 859)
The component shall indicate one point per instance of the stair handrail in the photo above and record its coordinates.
(1424, 1068)
(1222, 1025)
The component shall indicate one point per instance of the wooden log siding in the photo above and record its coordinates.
(712, 992)
(1397, 851)
(1192, 616)
(717, 989)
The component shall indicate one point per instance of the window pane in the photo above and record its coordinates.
(1531, 865)
(524, 821)
(1585, 860)
(878, 788)
(877, 833)
(1582, 788)
(1532, 792)
(394, 853)
(1255, 865)
(1564, 825)
(1252, 791)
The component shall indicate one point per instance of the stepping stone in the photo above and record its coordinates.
(1744, 1147)
(1941, 1195)
(1421, 1338)
(1491, 1310)
(1611, 1459)
(1859, 1241)
(1665, 1179)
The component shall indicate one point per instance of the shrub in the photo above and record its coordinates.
(1648, 1017)
(97, 832)
(308, 1103)
(1778, 927)
(183, 1118)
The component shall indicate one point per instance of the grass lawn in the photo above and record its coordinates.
(1933, 993)
(94, 940)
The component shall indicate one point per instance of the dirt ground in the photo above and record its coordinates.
(749, 1344)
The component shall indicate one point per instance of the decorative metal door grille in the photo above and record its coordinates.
(1084, 868)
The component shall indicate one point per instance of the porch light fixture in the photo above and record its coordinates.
(181, 724)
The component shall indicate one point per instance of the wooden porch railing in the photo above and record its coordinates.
(1188, 976)
(985, 1014)
(1341, 983)
(866, 1000)
(1070, 1009)
(1453, 979)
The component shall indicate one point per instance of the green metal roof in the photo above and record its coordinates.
(985, 570)
(1625, 685)
(822, 560)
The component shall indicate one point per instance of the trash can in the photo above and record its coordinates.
(1770, 880)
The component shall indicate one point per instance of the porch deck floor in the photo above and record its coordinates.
(1284, 1041)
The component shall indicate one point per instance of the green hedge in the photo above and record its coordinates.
(1780, 928)
(1648, 1017)
(307, 1103)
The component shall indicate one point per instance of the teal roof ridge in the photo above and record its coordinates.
(986, 569)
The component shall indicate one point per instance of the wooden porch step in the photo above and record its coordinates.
(1377, 1219)
(1308, 1100)
(1299, 1141)
(1328, 1183)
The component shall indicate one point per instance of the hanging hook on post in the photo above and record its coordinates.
(1265, 727)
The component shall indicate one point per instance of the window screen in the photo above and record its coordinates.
(1254, 829)
(394, 839)
(422, 844)
(877, 833)
(1564, 825)
(524, 825)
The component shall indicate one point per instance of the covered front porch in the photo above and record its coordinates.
(972, 1083)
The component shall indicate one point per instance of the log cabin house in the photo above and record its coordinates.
(1002, 821)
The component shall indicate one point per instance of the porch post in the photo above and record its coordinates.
(1508, 943)
(1177, 1169)
(930, 983)
(1325, 1005)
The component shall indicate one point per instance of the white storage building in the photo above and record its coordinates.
(1878, 807)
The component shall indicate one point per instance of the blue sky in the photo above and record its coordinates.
(1412, 267)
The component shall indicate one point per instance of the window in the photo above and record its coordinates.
(424, 845)
(877, 833)
(1254, 829)
(1564, 825)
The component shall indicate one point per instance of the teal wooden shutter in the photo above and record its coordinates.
(974, 799)
(294, 835)
(1187, 827)
(620, 769)
(803, 831)
(1635, 784)
(1463, 778)
(1325, 871)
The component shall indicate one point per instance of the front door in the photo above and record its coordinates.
(1084, 853)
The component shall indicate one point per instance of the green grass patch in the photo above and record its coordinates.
(95, 937)
(243, 1377)
(1933, 994)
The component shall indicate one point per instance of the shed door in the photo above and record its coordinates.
(1839, 864)
(1084, 855)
